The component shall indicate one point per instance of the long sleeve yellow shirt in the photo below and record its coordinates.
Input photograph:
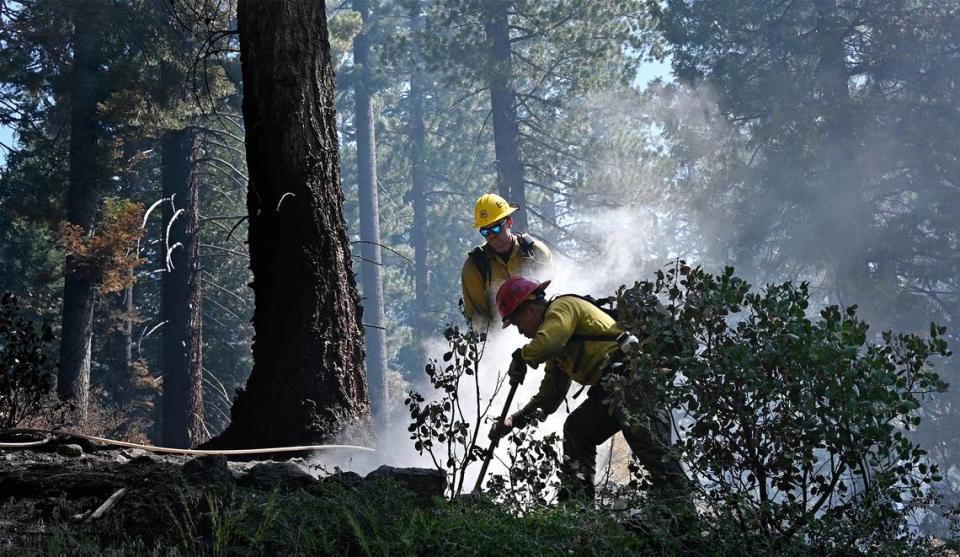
(567, 357)
(479, 292)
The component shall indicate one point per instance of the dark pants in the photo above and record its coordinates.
(592, 423)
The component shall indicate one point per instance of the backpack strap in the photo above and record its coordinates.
(479, 258)
(526, 244)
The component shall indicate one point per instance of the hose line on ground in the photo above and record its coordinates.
(172, 450)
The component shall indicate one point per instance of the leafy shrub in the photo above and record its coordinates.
(26, 373)
(531, 477)
(444, 427)
(793, 427)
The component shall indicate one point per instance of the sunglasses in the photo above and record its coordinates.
(495, 229)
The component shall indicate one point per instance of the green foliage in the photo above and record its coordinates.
(561, 54)
(26, 372)
(794, 426)
(444, 427)
(382, 519)
(827, 144)
(532, 464)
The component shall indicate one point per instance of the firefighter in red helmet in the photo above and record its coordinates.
(578, 341)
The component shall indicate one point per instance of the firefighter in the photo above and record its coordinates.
(504, 254)
(577, 341)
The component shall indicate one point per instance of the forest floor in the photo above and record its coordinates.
(71, 496)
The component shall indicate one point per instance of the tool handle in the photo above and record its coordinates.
(495, 442)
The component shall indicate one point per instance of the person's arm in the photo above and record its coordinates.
(553, 389)
(475, 303)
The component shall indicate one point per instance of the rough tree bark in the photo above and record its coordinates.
(371, 262)
(418, 178)
(83, 194)
(182, 298)
(307, 383)
(506, 132)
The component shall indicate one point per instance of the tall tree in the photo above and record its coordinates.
(307, 382)
(83, 194)
(503, 100)
(371, 262)
(418, 175)
(182, 302)
(537, 62)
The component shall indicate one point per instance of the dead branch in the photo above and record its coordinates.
(107, 505)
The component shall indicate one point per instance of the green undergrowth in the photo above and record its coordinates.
(335, 519)
(384, 519)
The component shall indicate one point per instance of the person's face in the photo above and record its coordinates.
(498, 235)
(527, 319)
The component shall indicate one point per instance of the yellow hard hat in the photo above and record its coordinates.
(490, 208)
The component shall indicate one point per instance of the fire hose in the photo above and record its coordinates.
(172, 450)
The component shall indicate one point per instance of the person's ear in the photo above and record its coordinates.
(510, 222)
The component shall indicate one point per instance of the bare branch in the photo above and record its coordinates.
(398, 254)
(227, 250)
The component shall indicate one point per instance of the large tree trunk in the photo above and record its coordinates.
(506, 132)
(182, 300)
(307, 383)
(79, 288)
(371, 263)
(418, 178)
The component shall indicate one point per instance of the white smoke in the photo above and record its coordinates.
(636, 225)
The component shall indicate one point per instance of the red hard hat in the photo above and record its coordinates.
(515, 291)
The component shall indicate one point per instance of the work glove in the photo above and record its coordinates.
(518, 368)
(498, 430)
(524, 416)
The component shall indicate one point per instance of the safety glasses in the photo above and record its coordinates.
(495, 229)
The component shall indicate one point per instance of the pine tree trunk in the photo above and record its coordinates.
(506, 132)
(418, 188)
(79, 289)
(126, 340)
(121, 325)
(307, 383)
(182, 299)
(118, 348)
(371, 263)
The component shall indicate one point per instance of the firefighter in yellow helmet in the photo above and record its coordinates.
(503, 255)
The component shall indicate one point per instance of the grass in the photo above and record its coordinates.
(383, 519)
(332, 519)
